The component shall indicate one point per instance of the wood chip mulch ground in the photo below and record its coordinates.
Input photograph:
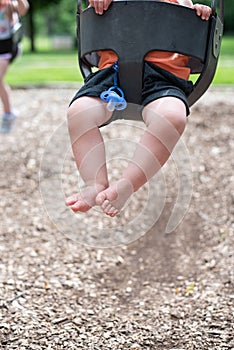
(89, 282)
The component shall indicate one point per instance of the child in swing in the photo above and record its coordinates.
(165, 110)
(10, 10)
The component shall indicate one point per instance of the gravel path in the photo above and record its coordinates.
(153, 278)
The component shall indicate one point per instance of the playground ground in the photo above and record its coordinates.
(82, 284)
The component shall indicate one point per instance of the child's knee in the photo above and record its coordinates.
(88, 110)
(70, 112)
(79, 122)
(75, 109)
(84, 115)
(177, 119)
(171, 114)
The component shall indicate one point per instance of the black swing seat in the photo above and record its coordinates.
(133, 28)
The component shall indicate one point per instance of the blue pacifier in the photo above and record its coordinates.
(114, 97)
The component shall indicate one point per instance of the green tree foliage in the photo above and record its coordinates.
(57, 19)
(39, 4)
(36, 5)
(229, 16)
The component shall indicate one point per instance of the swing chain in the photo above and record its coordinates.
(213, 7)
(81, 4)
(221, 8)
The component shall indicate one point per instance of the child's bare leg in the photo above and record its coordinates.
(4, 88)
(165, 120)
(85, 115)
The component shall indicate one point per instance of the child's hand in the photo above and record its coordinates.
(203, 11)
(100, 5)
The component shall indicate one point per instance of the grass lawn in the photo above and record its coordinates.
(48, 66)
(225, 70)
(44, 67)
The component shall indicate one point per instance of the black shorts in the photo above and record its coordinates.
(157, 83)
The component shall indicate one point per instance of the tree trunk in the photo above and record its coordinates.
(32, 27)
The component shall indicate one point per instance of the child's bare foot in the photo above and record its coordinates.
(112, 199)
(85, 199)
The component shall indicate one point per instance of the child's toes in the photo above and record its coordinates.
(100, 199)
(71, 200)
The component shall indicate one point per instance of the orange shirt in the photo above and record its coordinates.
(173, 62)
